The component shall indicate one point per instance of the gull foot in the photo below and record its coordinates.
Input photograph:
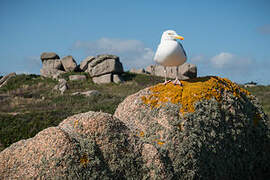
(166, 82)
(177, 82)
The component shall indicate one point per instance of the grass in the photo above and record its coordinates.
(28, 103)
(263, 95)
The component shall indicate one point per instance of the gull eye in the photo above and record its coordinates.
(170, 34)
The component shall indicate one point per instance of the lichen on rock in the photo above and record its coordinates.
(209, 128)
(192, 91)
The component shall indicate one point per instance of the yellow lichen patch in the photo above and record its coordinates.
(140, 134)
(76, 123)
(191, 91)
(159, 142)
(84, 160)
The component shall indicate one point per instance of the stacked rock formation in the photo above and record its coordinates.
(105, 69)
(185, 71)
(209, 128)
(51, 65)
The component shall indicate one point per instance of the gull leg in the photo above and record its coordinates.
(177, 81)
(165, 72)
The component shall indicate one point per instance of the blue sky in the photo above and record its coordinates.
(225, 38)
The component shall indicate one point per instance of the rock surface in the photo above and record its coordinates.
(107, 78)
(77, 77)
(138, 71)
(185, 71)
(91, 93)
(105, 68)
(61, 86)
(48, 55)
(209, 128)
(52, 73)
(85, 62)
(51, 65)
(69, 63)
(90, 145)
(4, 79)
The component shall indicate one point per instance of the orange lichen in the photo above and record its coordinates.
(141, 134)
(84, 160)
(159, 142)
(76, 123)
(191, 91)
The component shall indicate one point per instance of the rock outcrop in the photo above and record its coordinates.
(76, 77)
(105, 69)
(61, 86)
(91, 93)
(85, 62)
(185, 71)
(209, 128)
(4, 79)
(92, 145)
(51, 65)
(69, 63)
(48, 55)
(138, 71)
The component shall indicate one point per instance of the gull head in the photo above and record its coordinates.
(170, 35)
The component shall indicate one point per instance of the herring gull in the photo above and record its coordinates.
(170, 53)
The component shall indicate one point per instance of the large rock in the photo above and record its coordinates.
(51, 73)
(85, 62)
(69, 63)
(77, 77)
(92, 145)
(209, 128)
(4, 80)
(104, 79)
(185, 71)
(138, 71)
(48, 55)
(188, 70)
(108, 78)
(101, 58)
(52, 64)
(61, 86)
(107, 66)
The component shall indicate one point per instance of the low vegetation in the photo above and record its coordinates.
(28, 103)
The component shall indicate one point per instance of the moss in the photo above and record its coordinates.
(192, 91)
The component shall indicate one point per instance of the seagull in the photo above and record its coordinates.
(170, 53)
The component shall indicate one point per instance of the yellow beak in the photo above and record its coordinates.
(179, 37)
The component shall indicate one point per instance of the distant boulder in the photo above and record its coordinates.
(85, 62)
(51, 65)
(105, 68)
(4, 80)
(69, 63)
(138, 71)
(48, 55)
(77, 77)
(185, 71)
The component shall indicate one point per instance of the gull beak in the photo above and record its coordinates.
(179, 37)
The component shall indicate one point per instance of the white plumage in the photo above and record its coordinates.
(170, 52)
